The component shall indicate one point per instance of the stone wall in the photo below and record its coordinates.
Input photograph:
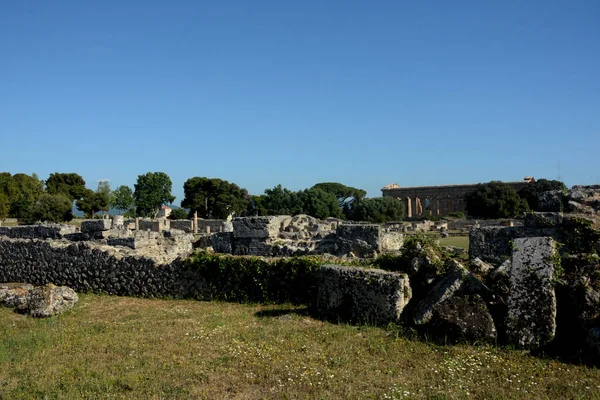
(344, 292)
(87, 266)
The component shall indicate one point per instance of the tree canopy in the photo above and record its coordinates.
(71, 185)
(19, 192)
(343, 193)
(376, 210)
(152, 191)
(122, 199)
(214, 198)
(532, 191)
(494, 200)
(94, 201)
(53, 208)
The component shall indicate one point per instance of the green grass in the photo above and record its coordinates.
(456, 241)
(119, 347)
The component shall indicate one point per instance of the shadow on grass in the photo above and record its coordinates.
(281, 312)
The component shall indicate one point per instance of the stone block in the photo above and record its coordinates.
(543, 219)
(152, 226)
(96, 225)
(363, 295)
(131, 242)
(454, 309)
(391, 241)
(550, 201)
(531, 319)
(222, 242)
(256, 227)
(49, 300)
(118, 222)
(368, 233)
(45, 231)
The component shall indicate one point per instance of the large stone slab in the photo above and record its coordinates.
(46, 231)
(454, 309)
(531, 319)
(49, 300)
(14, 295)
(370, 296)
(96, 225)
(257, 227)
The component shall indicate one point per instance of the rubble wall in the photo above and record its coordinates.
(86, 266)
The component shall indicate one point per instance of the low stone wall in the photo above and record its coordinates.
(152, 226)
(185, 225)
(211, 225)
(357, 294)
(50, 231)
(86, 266)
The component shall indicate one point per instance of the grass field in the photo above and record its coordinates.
(456, 241)
(119, 347)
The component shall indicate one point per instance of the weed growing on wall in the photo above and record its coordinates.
(254, 279)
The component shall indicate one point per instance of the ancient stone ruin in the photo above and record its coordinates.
(535, 285)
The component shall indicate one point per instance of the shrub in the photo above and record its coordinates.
(457, 214)
(252, 279)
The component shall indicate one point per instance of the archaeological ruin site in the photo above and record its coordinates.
(532, 283)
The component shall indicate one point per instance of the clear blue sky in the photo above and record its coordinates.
(262, 93)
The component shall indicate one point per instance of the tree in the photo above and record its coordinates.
(178, 213)
(122, 199)
(214, 198)
(377, 210)
(494, 200)
(71, 185)
(4, 206)
(152, 191)
(319, 203)
(256, 206)
(280, 201)
(343, 193)
(93, 202)
(532, 191)
(104, 192)
(53, 208)
(20, 191)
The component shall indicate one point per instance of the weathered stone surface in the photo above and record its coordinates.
(550, 201)
(365, 233)
(14, 295)
(543, 219)
(96, 225)
(363, 295)
(585, 198)
(222, 242)
(118, 222)
(480, 266)
(257, 227)
(45, 231)
(89, 266)
(531, 319)
(185, 225)
(464, 319)
(494, 244)
(390, 241)
(454, 309)
(50, 300)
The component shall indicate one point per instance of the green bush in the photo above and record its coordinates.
(457, 214)
(252, 279)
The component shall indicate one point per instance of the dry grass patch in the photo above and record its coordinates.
(119, 347)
